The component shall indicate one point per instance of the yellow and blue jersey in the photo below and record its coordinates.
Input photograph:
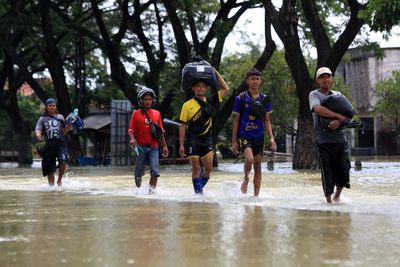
(198, 121)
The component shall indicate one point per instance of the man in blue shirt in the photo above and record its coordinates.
(251, 120)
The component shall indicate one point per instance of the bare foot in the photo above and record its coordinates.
(243, 187)
(336, 196)
(152, 190)
(328, 198)
(138, 181)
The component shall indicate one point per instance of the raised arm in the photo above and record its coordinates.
(223, 85)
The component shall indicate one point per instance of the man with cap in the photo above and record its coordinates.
(331, 142)
(54, 128)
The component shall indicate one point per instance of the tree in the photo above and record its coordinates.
(276, 82)
(286, 23)
(33, 42)
(381, 16)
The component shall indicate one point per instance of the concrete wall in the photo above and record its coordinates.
(362, 72)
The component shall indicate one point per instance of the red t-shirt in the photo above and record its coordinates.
(140, 126)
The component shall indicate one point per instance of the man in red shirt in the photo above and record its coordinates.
(143, 140)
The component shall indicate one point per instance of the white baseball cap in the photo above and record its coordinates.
(323, 70)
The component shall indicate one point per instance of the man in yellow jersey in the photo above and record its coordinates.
(196, 116)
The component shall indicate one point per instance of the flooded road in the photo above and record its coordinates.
(98, 218)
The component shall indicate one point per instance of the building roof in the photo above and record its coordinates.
(97, 121)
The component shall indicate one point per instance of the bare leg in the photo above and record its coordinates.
(50, 178)
(195, 163)
(248, 164)
(207, 164)
(153, 181)
(336, 196)
(257, 174)
(61, 171)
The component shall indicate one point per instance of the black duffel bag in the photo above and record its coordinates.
(340, 104)
(196, 71)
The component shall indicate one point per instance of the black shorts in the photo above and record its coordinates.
(53, 152)
(199, 146)
(335, 166)
(257, 146)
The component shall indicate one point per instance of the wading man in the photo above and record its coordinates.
(144, 137)
(251, 119)
(196, 115)
(54, 128)
(331, 140)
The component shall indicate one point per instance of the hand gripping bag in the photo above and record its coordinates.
(339, 104)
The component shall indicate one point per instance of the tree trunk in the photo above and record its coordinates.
(285, 22)
(24, 140)
(305, 156)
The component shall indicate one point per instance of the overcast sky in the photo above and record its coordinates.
(255, 31)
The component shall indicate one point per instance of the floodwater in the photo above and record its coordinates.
(98, 218)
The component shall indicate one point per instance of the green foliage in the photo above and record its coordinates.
(169, 81)
(100, 97)
(278, 82)
(382, 15)
(389, 98)
(31, 109)
(327, 10)
(7, 136)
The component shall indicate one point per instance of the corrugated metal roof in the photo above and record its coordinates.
(97, 121)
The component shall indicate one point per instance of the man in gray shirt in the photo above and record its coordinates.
(331, 140)
(52, 125)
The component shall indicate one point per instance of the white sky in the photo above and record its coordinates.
(252, 21)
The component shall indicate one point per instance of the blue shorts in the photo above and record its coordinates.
(150, 156)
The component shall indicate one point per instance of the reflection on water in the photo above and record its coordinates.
(98, 218)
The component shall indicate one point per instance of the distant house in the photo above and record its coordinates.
(361, 73)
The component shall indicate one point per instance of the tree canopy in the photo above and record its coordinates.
(103, 49)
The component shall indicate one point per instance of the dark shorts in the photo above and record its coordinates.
(53, 152)
(257, 146)
(199, 146)
(335, 166)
